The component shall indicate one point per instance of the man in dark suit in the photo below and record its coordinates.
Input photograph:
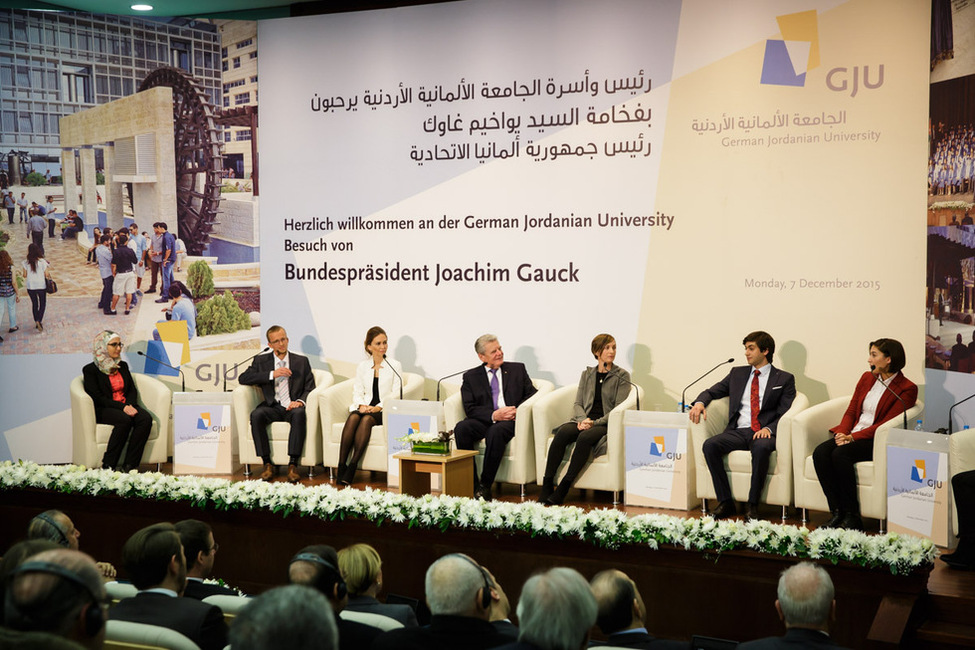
(492, 393)
(555, 611)
(459, 594)
(806, 605)
(621, 614)
(285, 379)
(200, 550)
(758, 396)
(153, 558)
(317, 566)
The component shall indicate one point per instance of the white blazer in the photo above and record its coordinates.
(389, 383)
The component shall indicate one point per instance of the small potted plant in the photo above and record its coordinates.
(429, 443)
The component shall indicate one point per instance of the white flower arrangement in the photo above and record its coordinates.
(609, 528)
(421, 437)
(951, 205)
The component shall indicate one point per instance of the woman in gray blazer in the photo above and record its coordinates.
(587, 428)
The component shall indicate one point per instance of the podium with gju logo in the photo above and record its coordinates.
(659, 471)
(202, 436)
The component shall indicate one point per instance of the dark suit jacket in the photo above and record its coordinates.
(516, 386)
(887, 408)
(399, 611)
(199, 590)
(354, 635)
(507, 629)
(443, 633)
(780, 391)
(99, 388)
(794, 638)
(641, 640)
(203, 624)
(300, 383)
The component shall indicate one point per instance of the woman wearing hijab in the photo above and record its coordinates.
(110, 385)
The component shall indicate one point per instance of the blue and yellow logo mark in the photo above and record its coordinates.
(204, 421)
(918, 472)
(787, 60)
(657, 446)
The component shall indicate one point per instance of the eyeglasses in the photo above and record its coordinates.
(117, 344)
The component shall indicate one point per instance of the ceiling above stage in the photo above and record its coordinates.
(232, 9)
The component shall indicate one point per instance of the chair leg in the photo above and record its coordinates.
(804, 519)
(704, 506)
(247, 469)
(785, 513)
(331, 474)
(882, 523)
(616, 497)
(522, 490)
(158, 467)
(311, 471)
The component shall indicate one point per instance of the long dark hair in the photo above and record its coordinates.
(5, 262)
(33, 254)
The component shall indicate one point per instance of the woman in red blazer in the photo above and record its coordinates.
(109, 383)
(852, 442)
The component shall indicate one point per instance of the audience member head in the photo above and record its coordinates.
(60, 592)
(55, 526)
(805, 597)
(361, 568)
(285, 617)
(893, 349)
(500, 608)
(556, 610)
(317, 566)
(456, 585)
(19, 553)
(199, 547)
(764, 341)
(620, 606)
(153, 557)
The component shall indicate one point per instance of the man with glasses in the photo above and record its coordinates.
(285, 379)
(200, 550)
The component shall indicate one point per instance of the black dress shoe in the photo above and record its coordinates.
(959, 561)
(851, 521)
(725, 510)
(751, 512)
(548, 487)
(483, 492)
(834, 521)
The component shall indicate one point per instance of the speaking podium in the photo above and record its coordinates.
(202, 435)
(659, 470)
(402, 417)
(918, 498)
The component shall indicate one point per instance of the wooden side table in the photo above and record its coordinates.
(455, 469)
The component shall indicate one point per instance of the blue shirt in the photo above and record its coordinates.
(186, 310)
(104, 256)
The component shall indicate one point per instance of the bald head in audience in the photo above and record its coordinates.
(556, 610)
(805, 597)
(620, 606)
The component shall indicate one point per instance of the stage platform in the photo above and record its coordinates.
(728, 595)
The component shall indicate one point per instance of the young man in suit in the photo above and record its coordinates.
(759, 395)
(153, 558)
(621, 614)
(200, 550)
(285, 379)
(492, 393)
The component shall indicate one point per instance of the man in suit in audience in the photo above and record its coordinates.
(492, 393)
(59, 592)
(759, 395)
(285, 379)
(153, 558)
(556, 611)
(317, 566)
(500, 610)
(57, 527)
(806, 605)
(284, 618)
(622, 614)
(200, 550)
(459, 594)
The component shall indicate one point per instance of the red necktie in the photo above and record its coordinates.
(755, 404)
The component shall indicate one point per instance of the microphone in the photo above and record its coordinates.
(447, 377)
(397, 374)
(903, 403)
(266, 348)
(622, 378)
(163, 363)
(683, 404)
(953, 408)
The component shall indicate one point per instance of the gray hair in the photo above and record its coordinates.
(556, 610)
(451, 585)
(49, 525)
(805, 595)
(482, 341)
(294, 616)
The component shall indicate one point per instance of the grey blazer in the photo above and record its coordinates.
(615, 389)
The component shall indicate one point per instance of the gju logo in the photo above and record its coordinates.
(787, 60)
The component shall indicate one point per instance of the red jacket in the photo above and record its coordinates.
(888, 407)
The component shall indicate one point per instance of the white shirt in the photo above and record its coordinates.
(745, 414)
(389, 383)
(868, 411)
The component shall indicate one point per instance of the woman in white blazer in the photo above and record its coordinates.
(375, 380)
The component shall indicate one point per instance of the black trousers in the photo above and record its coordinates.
(38, 303)
(963, 485)
(584, 441)
(105, 302)
(37, 237)
(496, 436)
(131, 428)
(264, 415)
(719, 446)
(836, 469)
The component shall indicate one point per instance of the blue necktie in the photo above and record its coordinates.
(495, 389)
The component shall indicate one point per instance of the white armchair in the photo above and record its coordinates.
(126, 634)
(518, 464)
(90, 439)
(606, 471)
(246, 398)
(811, 427)
(961, 458)
(334, 407)
(738, 464)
